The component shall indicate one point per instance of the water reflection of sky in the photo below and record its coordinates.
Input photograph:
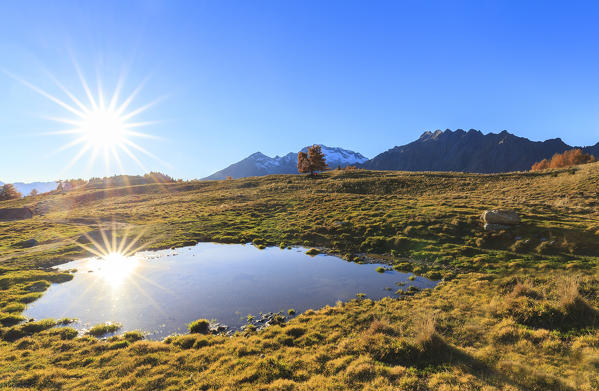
(161, 291)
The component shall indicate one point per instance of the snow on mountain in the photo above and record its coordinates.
(258, 164)
(340, 157)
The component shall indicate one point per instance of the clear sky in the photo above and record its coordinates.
(274, 76)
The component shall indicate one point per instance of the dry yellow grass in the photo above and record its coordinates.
(513, 313)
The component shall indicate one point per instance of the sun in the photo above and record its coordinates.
(115, 268)
(103, 129)
(116, 258)
(100, 127)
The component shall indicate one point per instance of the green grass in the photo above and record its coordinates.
(515, 309)
(103, 329)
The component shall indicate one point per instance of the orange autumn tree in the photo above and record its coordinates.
(566, 159)
(312, 161)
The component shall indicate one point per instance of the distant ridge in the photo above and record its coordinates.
(258, 164)
(465, 151)
(470, 151)
(41, 187)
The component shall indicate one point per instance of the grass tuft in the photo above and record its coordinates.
(201, 326)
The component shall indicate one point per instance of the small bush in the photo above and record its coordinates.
(200, 326)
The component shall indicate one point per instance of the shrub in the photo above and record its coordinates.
(566, 159)
(9, 192)
(200, 326)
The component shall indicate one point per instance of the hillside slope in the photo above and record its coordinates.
(517, 309)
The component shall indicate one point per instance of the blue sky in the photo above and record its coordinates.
(274, 76)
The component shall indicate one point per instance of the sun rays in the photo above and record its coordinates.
(116, 261)
(116, 257)
(101, 127)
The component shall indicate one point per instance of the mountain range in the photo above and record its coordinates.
(258, 164)
(470, 151)
(459, 150)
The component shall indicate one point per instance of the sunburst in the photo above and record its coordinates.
(116, 257)
(100, 127)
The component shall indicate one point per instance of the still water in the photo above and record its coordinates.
(160, 292)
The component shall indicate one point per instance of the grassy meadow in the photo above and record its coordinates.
(516, 309)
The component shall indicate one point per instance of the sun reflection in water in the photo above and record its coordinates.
(114, 268)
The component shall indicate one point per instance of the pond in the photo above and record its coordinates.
(160, 292)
